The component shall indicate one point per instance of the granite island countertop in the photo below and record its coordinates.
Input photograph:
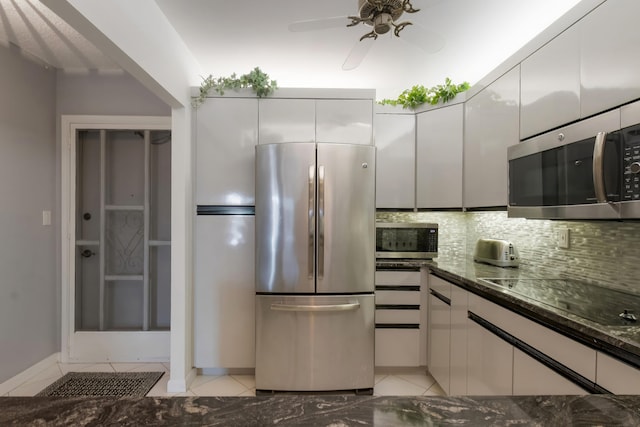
(323, 410)
(620, 341)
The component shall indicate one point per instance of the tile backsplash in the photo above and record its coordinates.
(602, 252)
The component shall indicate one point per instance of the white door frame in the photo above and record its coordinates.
(103, 346)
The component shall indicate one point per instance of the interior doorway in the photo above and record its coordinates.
(116, 206)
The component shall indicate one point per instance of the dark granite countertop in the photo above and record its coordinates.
(327, 410)
(615, 339)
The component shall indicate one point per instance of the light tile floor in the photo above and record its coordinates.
(387, 383)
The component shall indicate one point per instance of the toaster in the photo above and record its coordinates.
(501, 253)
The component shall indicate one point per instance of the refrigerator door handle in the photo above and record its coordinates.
(328, 307)
(312, 213)
(320, 222)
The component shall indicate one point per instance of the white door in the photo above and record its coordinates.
(116, 205)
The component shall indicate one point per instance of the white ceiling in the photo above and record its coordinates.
(40, 33)
(235, 36)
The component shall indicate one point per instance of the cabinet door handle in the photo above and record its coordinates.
(440, 296)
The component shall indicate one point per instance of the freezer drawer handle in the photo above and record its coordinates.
(330, 307)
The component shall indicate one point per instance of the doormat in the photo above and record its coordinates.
(118, 384)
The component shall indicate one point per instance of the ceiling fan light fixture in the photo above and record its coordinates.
(382, 23)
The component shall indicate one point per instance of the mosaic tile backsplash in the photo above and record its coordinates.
(600, 252)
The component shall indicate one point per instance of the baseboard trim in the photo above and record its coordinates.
(226, 371)
(180, 385)
(28, 373)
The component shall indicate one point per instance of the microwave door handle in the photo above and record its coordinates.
(598, 167)
(312, 222)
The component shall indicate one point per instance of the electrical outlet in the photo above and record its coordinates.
(563, 238)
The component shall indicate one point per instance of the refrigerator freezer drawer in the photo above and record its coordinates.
(314, 343)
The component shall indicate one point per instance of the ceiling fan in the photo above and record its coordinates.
(382, 16)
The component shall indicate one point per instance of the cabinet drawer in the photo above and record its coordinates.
(403, 297)
(439, 285)
(570, 353)
(397, 347)
(390, 278)
(398, 316)
(531, 377)
(616, 376)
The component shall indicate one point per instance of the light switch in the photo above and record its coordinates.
(46, 217)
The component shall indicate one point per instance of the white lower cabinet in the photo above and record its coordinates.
(397, 348)
(531, 377)
(398, 319)
(458, 364)
(490, 358)
(224, 292)
(616, 376)
(439, 349)
(477, 347)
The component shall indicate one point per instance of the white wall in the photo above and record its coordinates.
(29, 321)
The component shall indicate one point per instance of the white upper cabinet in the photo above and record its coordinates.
(287, 120)
(610, 56)
(491, 125)
(550, 85)
(439, 157)
(347, 121)
(320, 120)
(395, 164)
(226, 135)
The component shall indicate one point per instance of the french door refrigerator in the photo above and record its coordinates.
(315, 266)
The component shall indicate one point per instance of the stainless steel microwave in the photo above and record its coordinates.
(591, 172)
(411, 240)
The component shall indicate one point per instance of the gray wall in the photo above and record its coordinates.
(29, 326)
(33, 99)
(106, 93)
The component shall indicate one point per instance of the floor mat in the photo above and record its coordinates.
(119, 384)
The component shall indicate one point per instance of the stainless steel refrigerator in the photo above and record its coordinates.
(315, 266)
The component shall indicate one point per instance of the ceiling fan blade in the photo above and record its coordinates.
(357, 54)
(425, 39)
(319, 24)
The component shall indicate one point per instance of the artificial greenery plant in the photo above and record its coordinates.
(257, 80)
(418, 95)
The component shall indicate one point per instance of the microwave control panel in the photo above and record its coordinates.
(631, 179)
